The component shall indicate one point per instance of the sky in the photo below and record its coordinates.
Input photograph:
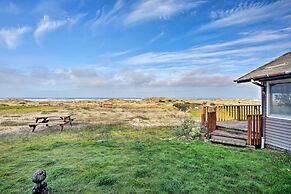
(138, 48)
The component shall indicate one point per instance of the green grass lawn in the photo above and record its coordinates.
(24, 109)
(117, 159)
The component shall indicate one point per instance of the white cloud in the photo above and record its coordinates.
(117, 53)
(158, 9)
(11, 37)
(142, 11)
(76, 19)
(192, 77)
(242, 48)
(252, 38)
(248, 14)
(47, 25)
(136, 78)
(104, 18)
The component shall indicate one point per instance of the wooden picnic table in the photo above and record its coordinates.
(46, 120)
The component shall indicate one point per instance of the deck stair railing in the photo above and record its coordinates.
(255, 129)
(208, 117)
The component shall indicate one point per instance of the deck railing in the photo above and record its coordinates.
(255, 129)
(230, 112)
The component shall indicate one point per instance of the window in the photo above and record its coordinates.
(280, 100)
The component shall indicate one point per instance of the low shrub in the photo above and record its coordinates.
(182, 106)
(189, 130)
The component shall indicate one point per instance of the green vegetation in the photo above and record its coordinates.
(182, 106)
(196, 114)
(117, 159)
(189, 130)
(24, 109)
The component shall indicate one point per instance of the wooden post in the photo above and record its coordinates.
(254, 129)
(203, 115)
(211, 121)
(238, 113)
(249, 130)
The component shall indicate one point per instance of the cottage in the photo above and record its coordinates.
(274, 79)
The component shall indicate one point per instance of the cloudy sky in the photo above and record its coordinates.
(138, 48)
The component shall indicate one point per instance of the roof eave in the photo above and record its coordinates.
(268, 76)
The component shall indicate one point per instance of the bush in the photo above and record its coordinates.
(182, 106)
(189, 130)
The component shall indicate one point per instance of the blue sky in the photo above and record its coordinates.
(138, 48)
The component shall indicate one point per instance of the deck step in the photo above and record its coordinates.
(231, 130)
(228, 141)
(230, 134)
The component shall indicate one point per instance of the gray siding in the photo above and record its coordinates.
(278, 133)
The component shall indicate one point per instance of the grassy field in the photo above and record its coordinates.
(24, 109)
(117, 159)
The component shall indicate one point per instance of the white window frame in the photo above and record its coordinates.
(269, 98)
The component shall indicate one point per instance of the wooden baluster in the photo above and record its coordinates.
(254, 129)
(238, 113)
(206, 115)
(219, 113)
(224, 113)
(249, 130)
(246, 112)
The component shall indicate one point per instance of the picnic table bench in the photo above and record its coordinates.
(49, 120)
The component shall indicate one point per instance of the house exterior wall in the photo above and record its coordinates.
(277, 131)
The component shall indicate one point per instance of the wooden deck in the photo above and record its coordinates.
(239, 125)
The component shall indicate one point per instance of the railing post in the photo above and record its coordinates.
(238, 113)
(211, 121)
(254, 129)
(203, 115)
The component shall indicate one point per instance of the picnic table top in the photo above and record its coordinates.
(61, 116)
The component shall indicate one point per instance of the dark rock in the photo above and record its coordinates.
(35, 190)
(41, 187)
(39, 176)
